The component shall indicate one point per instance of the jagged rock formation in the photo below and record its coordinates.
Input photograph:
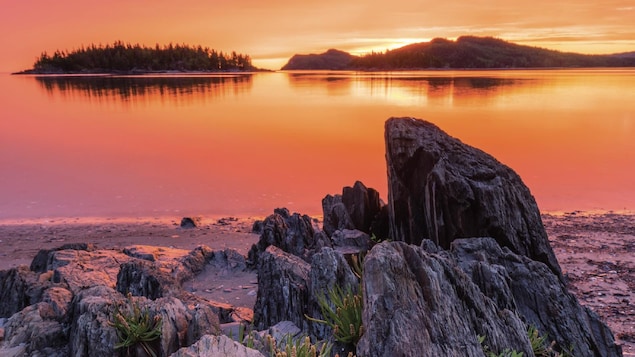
(293, 233)
(65, 306)
(358, 207)
(441, 189)
(528, 287)
(417, 303)
(426, 301)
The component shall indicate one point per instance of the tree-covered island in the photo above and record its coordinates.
(125, 58)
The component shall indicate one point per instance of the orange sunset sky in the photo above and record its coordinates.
(272, 31)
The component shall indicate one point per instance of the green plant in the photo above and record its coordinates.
(346, 317)
(505, 353)
(135, 327)
(249, 342)
(300, 347)
(377, 240)
(538, 343)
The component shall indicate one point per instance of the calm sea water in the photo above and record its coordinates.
(245, 144)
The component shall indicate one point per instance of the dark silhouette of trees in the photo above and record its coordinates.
(124, 57)
(482, 52)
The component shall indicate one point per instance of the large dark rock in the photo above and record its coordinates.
(528, 287)
(418, 303)
(293, 233)
(442, 189)
(283, 290)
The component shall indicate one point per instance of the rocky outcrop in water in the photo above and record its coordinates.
(441, 189)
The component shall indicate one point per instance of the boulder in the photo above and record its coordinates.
(191, 222)
(528, 287)
(442, 189)
(80, 269)
(426, 301)
(418, 303)
(216, 346)
(90, 332)
(282, 289)
(92, 335)
(38, 328)
(351, 241)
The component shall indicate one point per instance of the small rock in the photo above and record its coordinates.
(191, 222)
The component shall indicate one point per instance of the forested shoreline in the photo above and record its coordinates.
(122, 57)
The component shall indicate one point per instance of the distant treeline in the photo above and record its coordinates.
(120, 57)
(465, 52)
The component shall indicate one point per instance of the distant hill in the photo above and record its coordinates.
(465, 52)
(624, 55)
(331, 59)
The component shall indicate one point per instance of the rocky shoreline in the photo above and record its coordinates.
(445, 295)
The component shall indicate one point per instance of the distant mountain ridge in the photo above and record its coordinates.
(466, 52)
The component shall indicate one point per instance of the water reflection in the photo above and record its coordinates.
(412, 87)
(131, 89)
(244, 144)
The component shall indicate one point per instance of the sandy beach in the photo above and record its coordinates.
(594, 249)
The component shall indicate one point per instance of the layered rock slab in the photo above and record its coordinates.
(426, 301)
